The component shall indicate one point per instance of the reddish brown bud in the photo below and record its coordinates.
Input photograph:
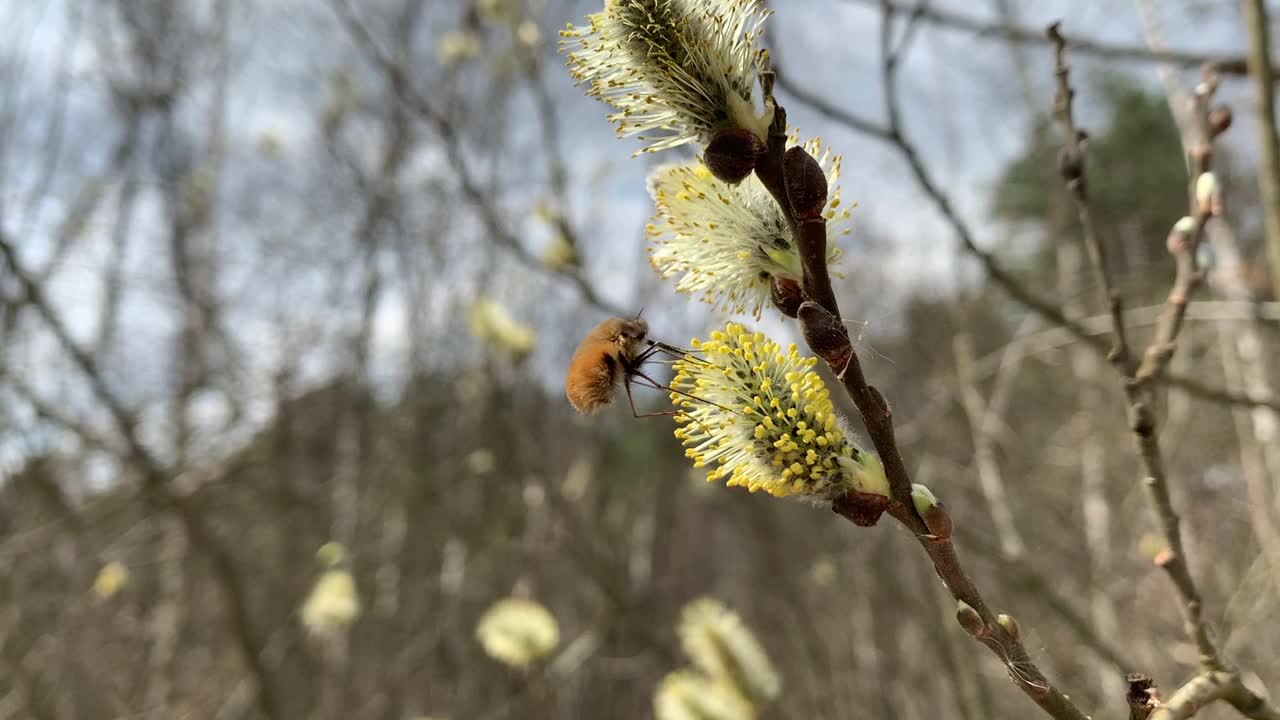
(1219, 119)
(806, 184)
(862, 509)
(1071, 164)
(787, 296)
(930, 509)
(970, 620)
(938, 520)
(732, 154)
(825, 335)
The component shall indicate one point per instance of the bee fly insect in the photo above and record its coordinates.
(614, 350)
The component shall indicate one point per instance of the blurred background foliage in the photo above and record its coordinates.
(328, 262)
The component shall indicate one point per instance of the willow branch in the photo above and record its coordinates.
(1188, 278)
(1210, 687)
(1138, 377)
(1215, 681)
(1072, 166)
(895, 135)
(787, 176)
(1027, 577)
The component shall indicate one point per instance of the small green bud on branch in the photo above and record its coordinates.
(1208, 195)
(1180, 236)
(1010, 626)
(935, 516)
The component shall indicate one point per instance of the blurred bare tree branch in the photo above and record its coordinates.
(242, 249)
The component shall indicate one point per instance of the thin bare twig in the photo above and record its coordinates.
(1072, 166)
(828, 338)
(1137, 377)
(1228, 274)
(1209, 687)
(934, 15)
(895, 135)
(404, 91)
(1032, 580)
(990, 479)
(1216, 681)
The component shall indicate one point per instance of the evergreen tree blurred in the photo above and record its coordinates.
(1136, 183)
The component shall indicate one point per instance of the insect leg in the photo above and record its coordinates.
(626, 384)
(671, 348)
(670, 413)
(648, 353)
(658, 386)
(675, 352)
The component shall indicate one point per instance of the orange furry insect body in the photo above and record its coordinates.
(614, 350)
(611, 351)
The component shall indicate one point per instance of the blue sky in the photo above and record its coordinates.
(964, 108)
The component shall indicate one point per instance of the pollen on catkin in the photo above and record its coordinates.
(761, 418)
(726, 243)
(676, 69)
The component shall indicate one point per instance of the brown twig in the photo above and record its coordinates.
(777, 170)
(1209, 687)
(1215, 681)
(1027, 577)
(1188, 277)
(1045, 308)
(1072, 166)
(1137, 378)
(934, 15)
